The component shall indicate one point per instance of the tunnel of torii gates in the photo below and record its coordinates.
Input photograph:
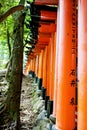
(58, 62)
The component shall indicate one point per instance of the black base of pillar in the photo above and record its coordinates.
(75, 128)
(52, 119)
(49, 108)
(39, 83)
(33, 74)
(43, 94)
(46, 101)
(36, 79)
(30, 72)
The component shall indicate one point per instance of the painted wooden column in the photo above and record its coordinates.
(26, 70)
(51, 74)
(44, 84)
(33, 67)
(52, 66)
(36, 69)
(50, 78)
(40, 70)
(56, 71)
(65, 117)
(53, 116)
(82, 65)
(48, 71)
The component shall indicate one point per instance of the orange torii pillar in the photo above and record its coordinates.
(36, 69)
(51, 74)
(65, 113)
(30, 69)
(31, 72)
(50, 66)
(33, 67)
(48, 75)
(44, 84)
(53, 116)
(82, 65)
(26, 70)
(40, 70)
(55, 83)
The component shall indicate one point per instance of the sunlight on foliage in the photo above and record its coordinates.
(4, 26)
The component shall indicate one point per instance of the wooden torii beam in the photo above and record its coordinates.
(46, 2)
(43, 40)
(47, 28)
(46, 15)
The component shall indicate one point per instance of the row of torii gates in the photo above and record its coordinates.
(58, 62)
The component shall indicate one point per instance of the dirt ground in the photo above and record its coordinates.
(27, 115)
(33, 115)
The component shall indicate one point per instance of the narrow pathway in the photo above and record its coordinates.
(33, 115)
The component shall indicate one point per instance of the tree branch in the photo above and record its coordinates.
(11, 11)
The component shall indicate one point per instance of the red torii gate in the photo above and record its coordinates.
(46, 2)
(46, 43)
(43, 44)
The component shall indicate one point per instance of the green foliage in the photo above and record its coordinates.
(3, 54)
(6, 4)
(8, 24)
(27, 30)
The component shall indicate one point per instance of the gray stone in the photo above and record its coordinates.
(54, 127)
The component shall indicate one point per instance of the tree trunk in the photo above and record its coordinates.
(11, 11)
(14, 92)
